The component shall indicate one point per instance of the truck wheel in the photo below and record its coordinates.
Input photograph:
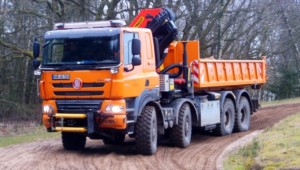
(146, 131)
(225, 127)
(180, 134)
(73, 141)
(242, 118)
(114, 140)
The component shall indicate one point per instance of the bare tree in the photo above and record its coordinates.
(226, 29)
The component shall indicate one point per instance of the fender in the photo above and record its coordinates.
(239, 94)
(159, 116)
(135, 105)
(176, 104)
(228, 94)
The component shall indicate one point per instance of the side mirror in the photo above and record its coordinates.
(36, 49)
(136, 52)
(136, 47)
(136, 61)
(35, 63)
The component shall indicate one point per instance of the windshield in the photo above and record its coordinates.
(99, 51)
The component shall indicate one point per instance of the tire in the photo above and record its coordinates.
(117, 139)
(225, 127)
(73, 141)
(243, 116)
(180, 134)
(146, 131)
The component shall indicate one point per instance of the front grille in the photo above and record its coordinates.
(84, 85)
(77, 106)
(78, 93)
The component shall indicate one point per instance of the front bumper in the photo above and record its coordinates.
(89, 123)
(85, 116)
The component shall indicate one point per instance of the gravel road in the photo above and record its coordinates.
(201, 154)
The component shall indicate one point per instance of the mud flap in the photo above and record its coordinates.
(255, 105)
(90, 123)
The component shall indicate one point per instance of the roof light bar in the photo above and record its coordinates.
(94, 24)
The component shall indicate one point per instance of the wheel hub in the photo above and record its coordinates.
(226, 118)
(243, 115)
(186, 126)
(153, 131)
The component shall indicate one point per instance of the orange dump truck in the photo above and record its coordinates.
(104, 80)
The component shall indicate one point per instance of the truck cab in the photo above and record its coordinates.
(92, 71)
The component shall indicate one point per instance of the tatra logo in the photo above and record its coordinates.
(77, 84)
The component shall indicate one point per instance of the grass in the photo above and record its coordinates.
(33, 134)
(280, 102)
(276, 148)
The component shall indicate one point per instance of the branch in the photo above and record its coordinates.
(10, 102)
(17, 49)
(33, 13)
(80, 5)
(6, 55)
(12, 58)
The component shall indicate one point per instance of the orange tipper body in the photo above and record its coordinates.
(210, 74)
(104, 80)
(228, 74)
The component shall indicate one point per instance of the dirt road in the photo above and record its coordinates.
(201, 154)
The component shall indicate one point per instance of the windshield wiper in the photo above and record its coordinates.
(64, 67)
(57, 67)
(93, 62)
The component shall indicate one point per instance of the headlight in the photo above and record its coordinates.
(48, 109)
(114, 70)
(114, 109)
(37, 72)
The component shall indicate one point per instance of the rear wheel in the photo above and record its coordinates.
(73, 141)
(180, 134)
(114, 140)
(146, 131)
(242, 118)
(225, 127)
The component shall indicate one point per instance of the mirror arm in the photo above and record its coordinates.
(36, 38)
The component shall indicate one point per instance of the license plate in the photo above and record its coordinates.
(60, 76)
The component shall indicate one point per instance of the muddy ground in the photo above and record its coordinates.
(201, 154)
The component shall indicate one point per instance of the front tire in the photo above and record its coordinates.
(243, 116)
(73, 141)
(180, 134)
(225, 127)
(146, 131)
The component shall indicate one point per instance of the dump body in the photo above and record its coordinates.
(214, 75)
(211, 74)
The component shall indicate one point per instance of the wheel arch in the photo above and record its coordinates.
(243, 93)
(159, 115)
(176, 105)
(135, 105)
(230, 95)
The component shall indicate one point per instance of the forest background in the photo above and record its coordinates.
(226, 29)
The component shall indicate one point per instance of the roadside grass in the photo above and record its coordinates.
(276, 148)
(280, 102)
(29, 134)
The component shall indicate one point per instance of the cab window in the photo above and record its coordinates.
(128, 36)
